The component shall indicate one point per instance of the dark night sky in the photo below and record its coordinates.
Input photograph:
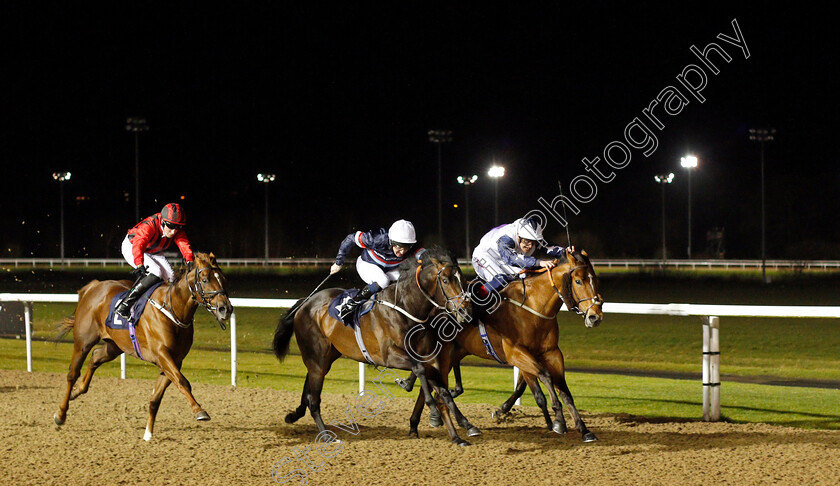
(337, 101)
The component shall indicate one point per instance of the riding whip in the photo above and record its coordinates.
(303, 301)
(565, 218)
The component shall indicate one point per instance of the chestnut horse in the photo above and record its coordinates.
(523, 332)
(162, 339)
(425, 289)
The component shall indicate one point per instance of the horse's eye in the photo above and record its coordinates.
(445, 281)
(578, 282)
(204, 280)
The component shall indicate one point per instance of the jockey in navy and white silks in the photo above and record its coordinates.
(507, 249)
(382, 253)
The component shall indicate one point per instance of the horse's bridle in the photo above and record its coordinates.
(202, 296)
(576, 306)
(453, 304)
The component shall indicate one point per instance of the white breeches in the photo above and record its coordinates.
(156, 264)
(487, 264)
(372, 273)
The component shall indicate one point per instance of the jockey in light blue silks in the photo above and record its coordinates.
(378, 265)
(507, 249)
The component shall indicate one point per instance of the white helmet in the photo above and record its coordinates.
(529, 229)
(402, 231)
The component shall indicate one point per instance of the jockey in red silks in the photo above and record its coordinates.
(382, 253)
(143, 249)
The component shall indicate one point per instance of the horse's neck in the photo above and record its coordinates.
(181, 299)
(408, 296)
(536, 292)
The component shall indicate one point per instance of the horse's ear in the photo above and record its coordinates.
(212, 258)
(583, 252)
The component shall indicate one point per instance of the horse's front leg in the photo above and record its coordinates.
(553, 361)
(459, 386)
(444, 405)
(414, 421)
(172, 370)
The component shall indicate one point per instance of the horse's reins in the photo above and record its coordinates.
(455, 301)
(575, 307)
(203, 298)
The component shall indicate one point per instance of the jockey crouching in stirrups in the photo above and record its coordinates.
(506, 250)
(143, 249)
(382, 253)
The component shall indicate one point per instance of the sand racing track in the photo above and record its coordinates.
(246, 438)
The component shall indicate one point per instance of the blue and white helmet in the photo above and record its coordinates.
(402, 231)
(529, 229)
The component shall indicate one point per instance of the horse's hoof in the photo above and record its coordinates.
(413, 434)
(473, 431)
(202, 416)
(559, 428)
(498, 413)
(401, 383)
(455, 393)
(147, 436)
(461, 442)
(435, 421)
(58, 421)
(589, 437)
(291, 418)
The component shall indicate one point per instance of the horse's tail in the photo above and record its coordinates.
(65, 327)
(284, 331)
(70, 321)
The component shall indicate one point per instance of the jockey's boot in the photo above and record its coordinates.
(140, 287)
(346, 309)
(485, 295)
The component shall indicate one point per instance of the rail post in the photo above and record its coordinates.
(711, 369)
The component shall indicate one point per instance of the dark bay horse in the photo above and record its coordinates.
(425, 288)
(163, 339)
(523, 331)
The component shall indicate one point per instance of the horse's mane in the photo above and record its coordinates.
(582, 257)
(179, 272)
(409, 266)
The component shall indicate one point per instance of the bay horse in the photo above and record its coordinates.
(523, 332)
(425, 288)
(163, 340)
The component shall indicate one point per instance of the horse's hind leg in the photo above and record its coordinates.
(539, 397)
(99, 357)
(80, 352)
(299, 412)
(157, 395)
(510, 402)
(408, 383)
(316, 384)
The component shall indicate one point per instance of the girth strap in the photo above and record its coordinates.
(482, 331)
(358, 332)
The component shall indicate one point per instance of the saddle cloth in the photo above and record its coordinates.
(358, 312)
(116, 322)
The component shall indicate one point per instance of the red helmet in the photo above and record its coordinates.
(173, 214)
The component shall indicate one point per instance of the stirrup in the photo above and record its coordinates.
(345, 310)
